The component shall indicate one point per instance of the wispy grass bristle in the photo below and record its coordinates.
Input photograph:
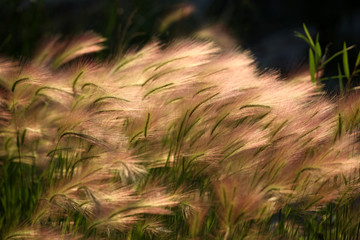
(168, 142)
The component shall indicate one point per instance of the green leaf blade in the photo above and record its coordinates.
(357, 63)
(312, 66)
(346, 62)
(308, 36)
(341, 84)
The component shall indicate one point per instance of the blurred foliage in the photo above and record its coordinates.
(263, 27)
(24, 23)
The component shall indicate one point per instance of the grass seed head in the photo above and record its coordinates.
(118, 141)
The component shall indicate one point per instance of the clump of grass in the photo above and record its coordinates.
(183, 141)
(319, 59)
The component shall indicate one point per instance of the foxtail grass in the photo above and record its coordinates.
(184, 141)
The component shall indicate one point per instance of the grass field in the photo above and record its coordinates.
(183, 141)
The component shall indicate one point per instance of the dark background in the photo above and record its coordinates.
(266, 27)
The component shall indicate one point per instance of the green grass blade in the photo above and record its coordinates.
(346, 62)
(335, 55)
(76, 79)
(202, 102)
(37, 92)
(318, 50)
(17, 82)
(218, 123)
(157, 89)
(312, 66)
(299, 35)
(308, 36)
(110, 97)
(147, 124)
(357, 63)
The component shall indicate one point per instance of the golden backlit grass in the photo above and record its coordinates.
(169, 142)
